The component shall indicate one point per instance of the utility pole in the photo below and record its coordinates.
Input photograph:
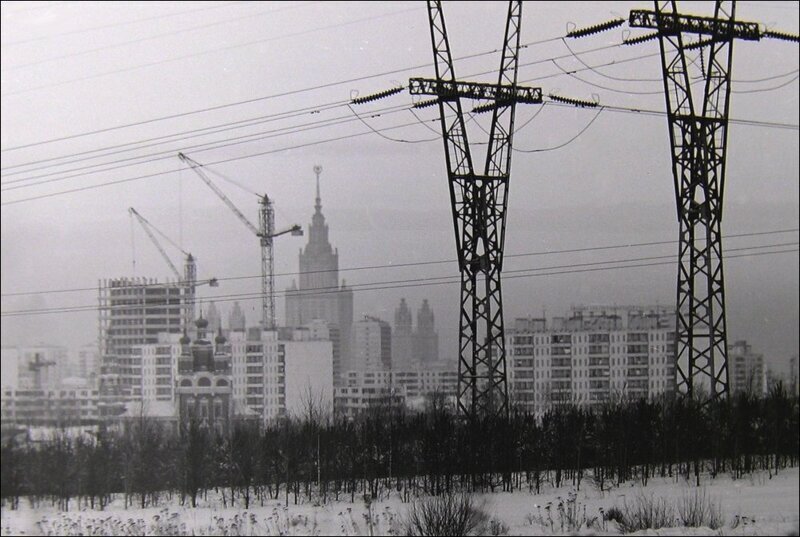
(698, 129)
(478, 203)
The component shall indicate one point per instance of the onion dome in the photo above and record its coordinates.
(220, 339)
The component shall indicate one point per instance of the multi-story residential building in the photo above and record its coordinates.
(592, 355)
(361, 390)
(746, 369)
(160, 368)
(69, 405)
(272, 372)
(319, 295)
(372, 345)
(308, 367)
(133, 312)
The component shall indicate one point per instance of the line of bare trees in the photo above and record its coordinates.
(393, 451)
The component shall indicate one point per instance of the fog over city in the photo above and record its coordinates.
(83, 79)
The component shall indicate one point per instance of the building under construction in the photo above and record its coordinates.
(133, 311)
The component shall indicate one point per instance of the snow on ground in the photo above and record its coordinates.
(754, 505)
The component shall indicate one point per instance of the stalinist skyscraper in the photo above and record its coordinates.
(319, 295)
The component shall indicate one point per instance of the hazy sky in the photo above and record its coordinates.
(74, 68)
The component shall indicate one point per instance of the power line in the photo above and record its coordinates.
(322, 123)
(150, 38)
(443, 261)
(198, 148)
(232, 159)
(254, 100)
(597, 115)
(312, 88)
(115, 25)
(414, 282)
(203, 53)
(344, 137)
(191, 133)
(283, 115)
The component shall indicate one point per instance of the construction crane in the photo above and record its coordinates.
(265, 233)
(36, 365)
(189, 276)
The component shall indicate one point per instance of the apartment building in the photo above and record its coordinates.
(591, 355)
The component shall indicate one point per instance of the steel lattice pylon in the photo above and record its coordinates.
(698, 124)
(478, 205)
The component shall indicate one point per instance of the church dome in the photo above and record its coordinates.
(201, 323)
(185, 339)
(220, 339)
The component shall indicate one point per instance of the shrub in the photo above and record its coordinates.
(614, 513)
(647, 512)
(696, 509)
(497, 527)
(447, 514)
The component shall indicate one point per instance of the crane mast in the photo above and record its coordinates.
(189, 276)
(265, 233)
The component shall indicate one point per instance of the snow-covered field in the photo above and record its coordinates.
(754, 505)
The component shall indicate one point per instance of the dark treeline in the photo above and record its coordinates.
(392, 450)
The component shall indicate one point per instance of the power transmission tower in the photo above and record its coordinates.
(478, 203)
(698, 128)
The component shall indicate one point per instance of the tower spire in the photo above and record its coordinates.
(318, 200)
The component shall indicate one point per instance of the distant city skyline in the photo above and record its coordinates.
(578, 180)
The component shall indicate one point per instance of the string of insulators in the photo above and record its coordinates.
(782, 36)
(596, 28)
(376, 96)
(481, 108)
(574, 102)
(425, 104)
(640, 39)
(698, 44)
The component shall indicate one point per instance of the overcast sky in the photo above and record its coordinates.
(286, 69)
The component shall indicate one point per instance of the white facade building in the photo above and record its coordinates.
(372, 345)
(591, 356)
(361, 390)
(270, 375)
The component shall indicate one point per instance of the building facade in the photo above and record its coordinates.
(591, 356)
(319, 295)
(746, 369)
(133, 312)
(411, 388)
(204, 382)
(426, 340)
(372, 345)
(403, 337)
(272, 373)
(412, 347)
(65, 406)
